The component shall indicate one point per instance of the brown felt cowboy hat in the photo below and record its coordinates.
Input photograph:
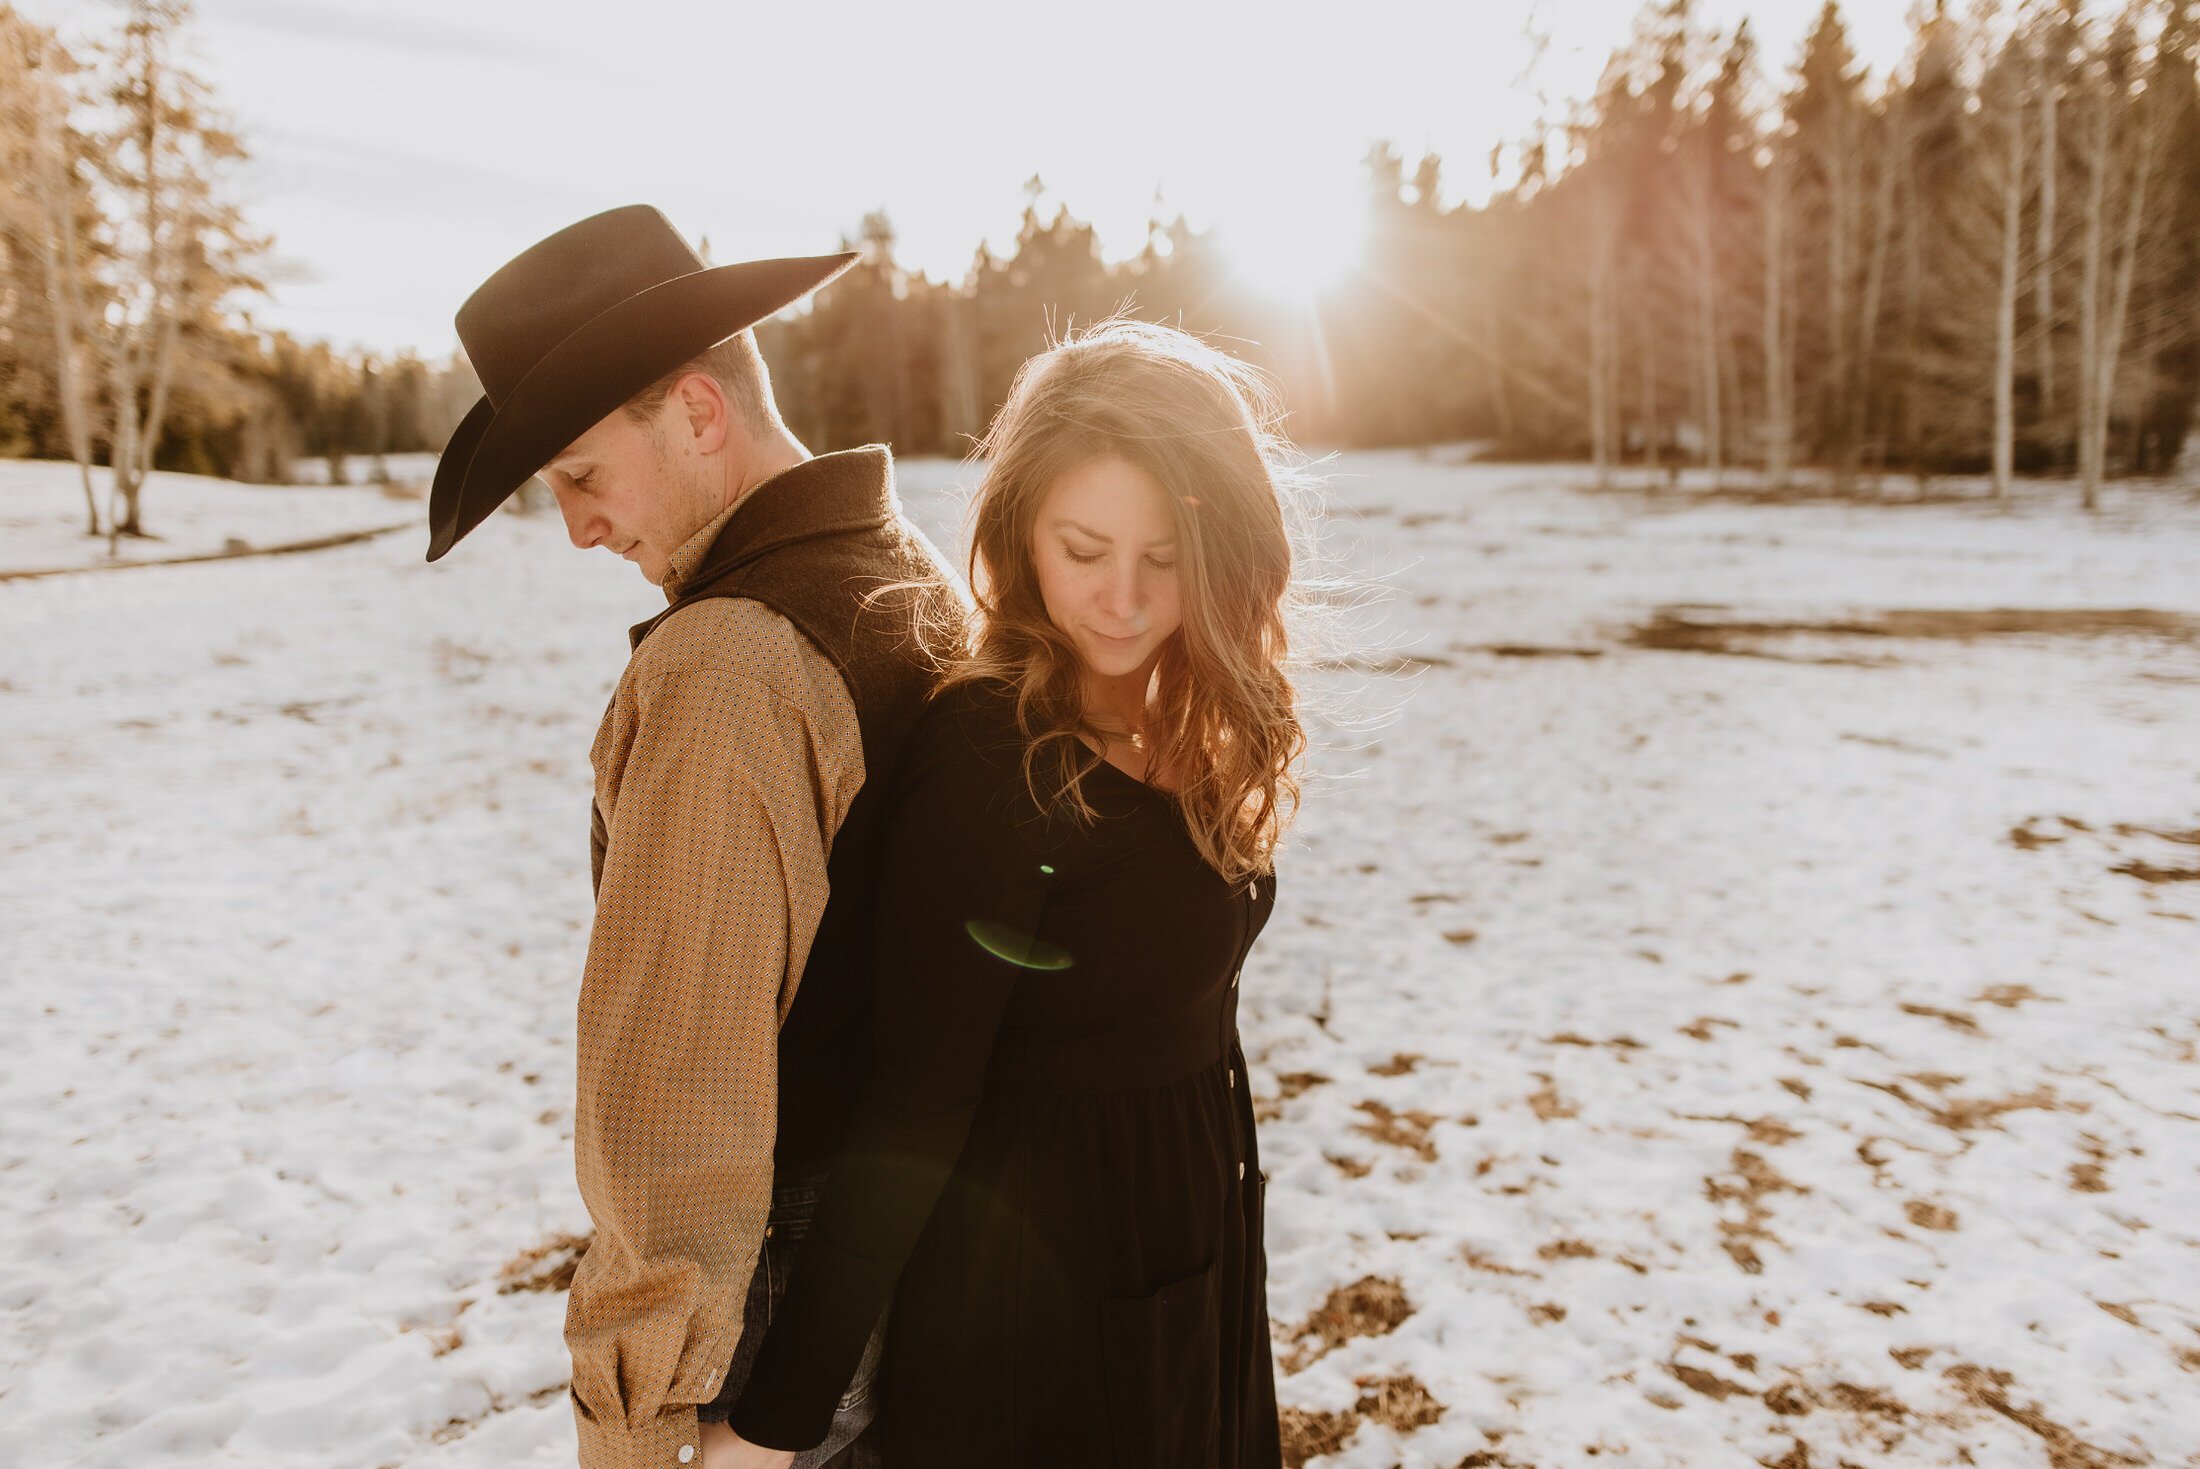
(577, 324)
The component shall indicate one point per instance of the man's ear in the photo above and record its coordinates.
(699, 403)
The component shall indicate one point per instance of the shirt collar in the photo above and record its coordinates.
(681, 565)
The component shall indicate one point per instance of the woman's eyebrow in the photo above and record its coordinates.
(1087, 530)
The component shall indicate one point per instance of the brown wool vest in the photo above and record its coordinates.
(809, 543)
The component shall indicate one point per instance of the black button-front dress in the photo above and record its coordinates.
(1051, 1169)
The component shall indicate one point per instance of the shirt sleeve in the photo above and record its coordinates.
(962, 895)
(718, 797)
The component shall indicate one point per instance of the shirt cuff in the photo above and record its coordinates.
(669, 1441)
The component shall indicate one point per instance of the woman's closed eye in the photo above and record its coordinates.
(1084, 559)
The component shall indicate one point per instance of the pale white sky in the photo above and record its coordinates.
(406, 148)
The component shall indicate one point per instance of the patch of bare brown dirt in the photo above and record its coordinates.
(548, 1266)
(1401, 1064)
(2148, 872)
(1988, 1387)
(1408, 1130)
(2089, 1176)
(1955, 1018)
(1927, 1215)
(1373, 1305)
(1568, 1249)
(2008, 996)
(1290, 1084)
(2189, 838)
(1676, 630)
(1527, 650)
(1962, 1114)
(1750, 1179)
(1546, 1102)
(1710, 1384)
(1480, 1261)
(1400, 1403)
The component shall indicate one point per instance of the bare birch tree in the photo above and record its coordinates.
(45, 196)
(180, 247)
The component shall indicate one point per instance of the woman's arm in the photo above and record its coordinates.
(963, 880)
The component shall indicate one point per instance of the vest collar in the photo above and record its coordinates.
(841, 493)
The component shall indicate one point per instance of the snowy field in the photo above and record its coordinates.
(42, 515)
(1729, 1002)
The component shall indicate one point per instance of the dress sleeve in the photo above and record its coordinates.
(963, 889)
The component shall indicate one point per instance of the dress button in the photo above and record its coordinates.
(1233, 1078)
(687, 1452)
(767, 1231)
(1241, 1172)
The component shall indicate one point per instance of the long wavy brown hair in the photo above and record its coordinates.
(1204, 425)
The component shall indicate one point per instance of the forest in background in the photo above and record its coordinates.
(1985, 261)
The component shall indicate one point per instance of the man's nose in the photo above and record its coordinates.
(583, 527)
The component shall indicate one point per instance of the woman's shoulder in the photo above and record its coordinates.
(977, 713)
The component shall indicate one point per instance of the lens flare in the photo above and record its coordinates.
(1025, 951)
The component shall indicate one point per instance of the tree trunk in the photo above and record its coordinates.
(2119, 304)
(2099, 163)
(62, 261)
(1779, 363)
(1603, 353)
(1875, 286)
(1840, 234)
(2044, 253)
(1709, 348)
(2005, 323)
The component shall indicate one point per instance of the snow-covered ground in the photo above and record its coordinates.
(1740, 1053)
(42, 514)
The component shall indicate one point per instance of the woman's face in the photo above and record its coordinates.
(1105, 549)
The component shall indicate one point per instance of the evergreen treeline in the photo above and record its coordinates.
(1987, 261)
(1991, 261)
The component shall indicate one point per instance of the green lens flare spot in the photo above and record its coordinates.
(1023, 950)
(1045, 868)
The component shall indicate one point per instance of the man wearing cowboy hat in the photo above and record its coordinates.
(739, 777)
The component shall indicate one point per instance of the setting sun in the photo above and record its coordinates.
(1296, 254)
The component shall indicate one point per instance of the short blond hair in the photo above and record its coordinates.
(737, 365)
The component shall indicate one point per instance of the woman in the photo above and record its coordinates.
(1054, 1154)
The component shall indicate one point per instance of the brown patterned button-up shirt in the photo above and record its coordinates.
(725, 763)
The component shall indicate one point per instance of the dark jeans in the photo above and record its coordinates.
(851, 1444)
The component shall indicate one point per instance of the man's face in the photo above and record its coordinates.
(631, 491)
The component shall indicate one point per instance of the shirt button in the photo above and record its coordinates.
(687, 1452)
(767, 1231)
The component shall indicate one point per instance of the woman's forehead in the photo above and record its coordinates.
(1112, 499)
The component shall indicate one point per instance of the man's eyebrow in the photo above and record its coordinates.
(1063, 520)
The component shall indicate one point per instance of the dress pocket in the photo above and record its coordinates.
(1161, 1357)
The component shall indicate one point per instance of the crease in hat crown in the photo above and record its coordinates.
(510, 323)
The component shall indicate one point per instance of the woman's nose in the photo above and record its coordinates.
(1123, 593)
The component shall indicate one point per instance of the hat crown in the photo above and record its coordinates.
(554, 286)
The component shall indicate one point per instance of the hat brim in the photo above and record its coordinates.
(602, 363)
